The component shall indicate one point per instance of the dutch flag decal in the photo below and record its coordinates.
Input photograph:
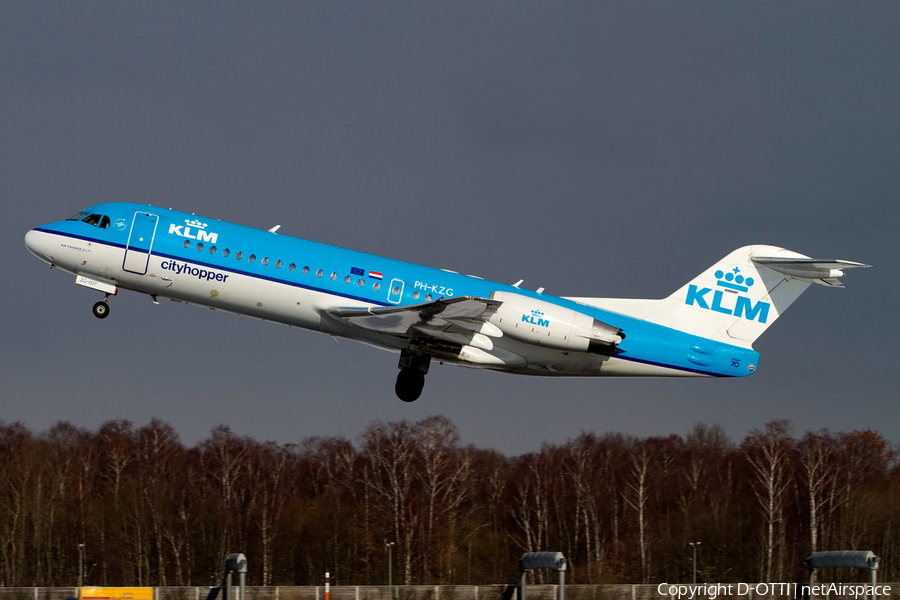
(375, 275)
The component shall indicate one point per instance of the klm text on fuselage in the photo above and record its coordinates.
(185, 231)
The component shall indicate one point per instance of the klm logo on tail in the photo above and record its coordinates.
(743, 305)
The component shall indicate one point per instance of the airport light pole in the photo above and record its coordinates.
(80, 567)
(694, 546)
(389, 546)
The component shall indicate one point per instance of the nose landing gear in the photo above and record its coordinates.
(411, 378)
(101, 309)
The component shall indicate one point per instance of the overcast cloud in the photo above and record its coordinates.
(594, 149)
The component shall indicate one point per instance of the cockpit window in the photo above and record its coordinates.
(101, 221)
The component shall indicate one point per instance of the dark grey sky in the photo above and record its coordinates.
(595, 150)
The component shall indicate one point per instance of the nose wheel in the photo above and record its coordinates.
(101, 309)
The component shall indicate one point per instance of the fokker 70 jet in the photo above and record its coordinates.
(706, 328)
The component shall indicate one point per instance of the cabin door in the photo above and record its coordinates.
(140, 241)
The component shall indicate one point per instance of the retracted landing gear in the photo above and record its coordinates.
(101, 309)
(411, 378)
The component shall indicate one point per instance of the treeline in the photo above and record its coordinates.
(151, 511)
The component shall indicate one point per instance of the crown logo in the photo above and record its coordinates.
(733, 280)
(537, 313)
(195, 223)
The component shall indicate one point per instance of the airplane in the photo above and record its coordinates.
(705, 328)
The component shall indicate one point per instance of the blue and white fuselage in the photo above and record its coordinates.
(704, 329)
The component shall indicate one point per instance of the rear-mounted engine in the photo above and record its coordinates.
(541, 323)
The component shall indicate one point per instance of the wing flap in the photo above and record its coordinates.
(465, 315)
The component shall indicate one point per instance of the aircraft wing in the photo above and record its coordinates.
(456, 320)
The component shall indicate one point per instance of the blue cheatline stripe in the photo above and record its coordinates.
(227, 269)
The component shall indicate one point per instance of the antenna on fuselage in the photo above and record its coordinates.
(274, 229)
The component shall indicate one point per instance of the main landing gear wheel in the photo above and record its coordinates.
(410, 382)
(101, 310)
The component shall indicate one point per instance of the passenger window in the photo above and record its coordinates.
(361, 282)
(305, 270)
(348, 279)
(104, 222)
(226, 252)
(376, 286)
(333, 276)
(428, 297)
(187, 243)
(199, 246)
(319, 273)
(252, 258)
(265, 260)
(212, 249)
(277, 264)
(416, 295)
(292, 266)
(239, 255)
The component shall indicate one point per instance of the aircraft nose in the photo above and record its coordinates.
(34, 241)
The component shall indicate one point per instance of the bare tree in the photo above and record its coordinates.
(590, 467)
(18, 480)
(267, 470)
(768, 454)
(636, 495)
(393, 454)
(151, 511)
(445, 470)
(224, 463)
(817, 461)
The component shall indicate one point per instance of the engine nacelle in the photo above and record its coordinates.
(544, 324)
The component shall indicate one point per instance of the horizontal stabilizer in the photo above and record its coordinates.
(823, 272)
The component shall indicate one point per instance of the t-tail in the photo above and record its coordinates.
(735, 300)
